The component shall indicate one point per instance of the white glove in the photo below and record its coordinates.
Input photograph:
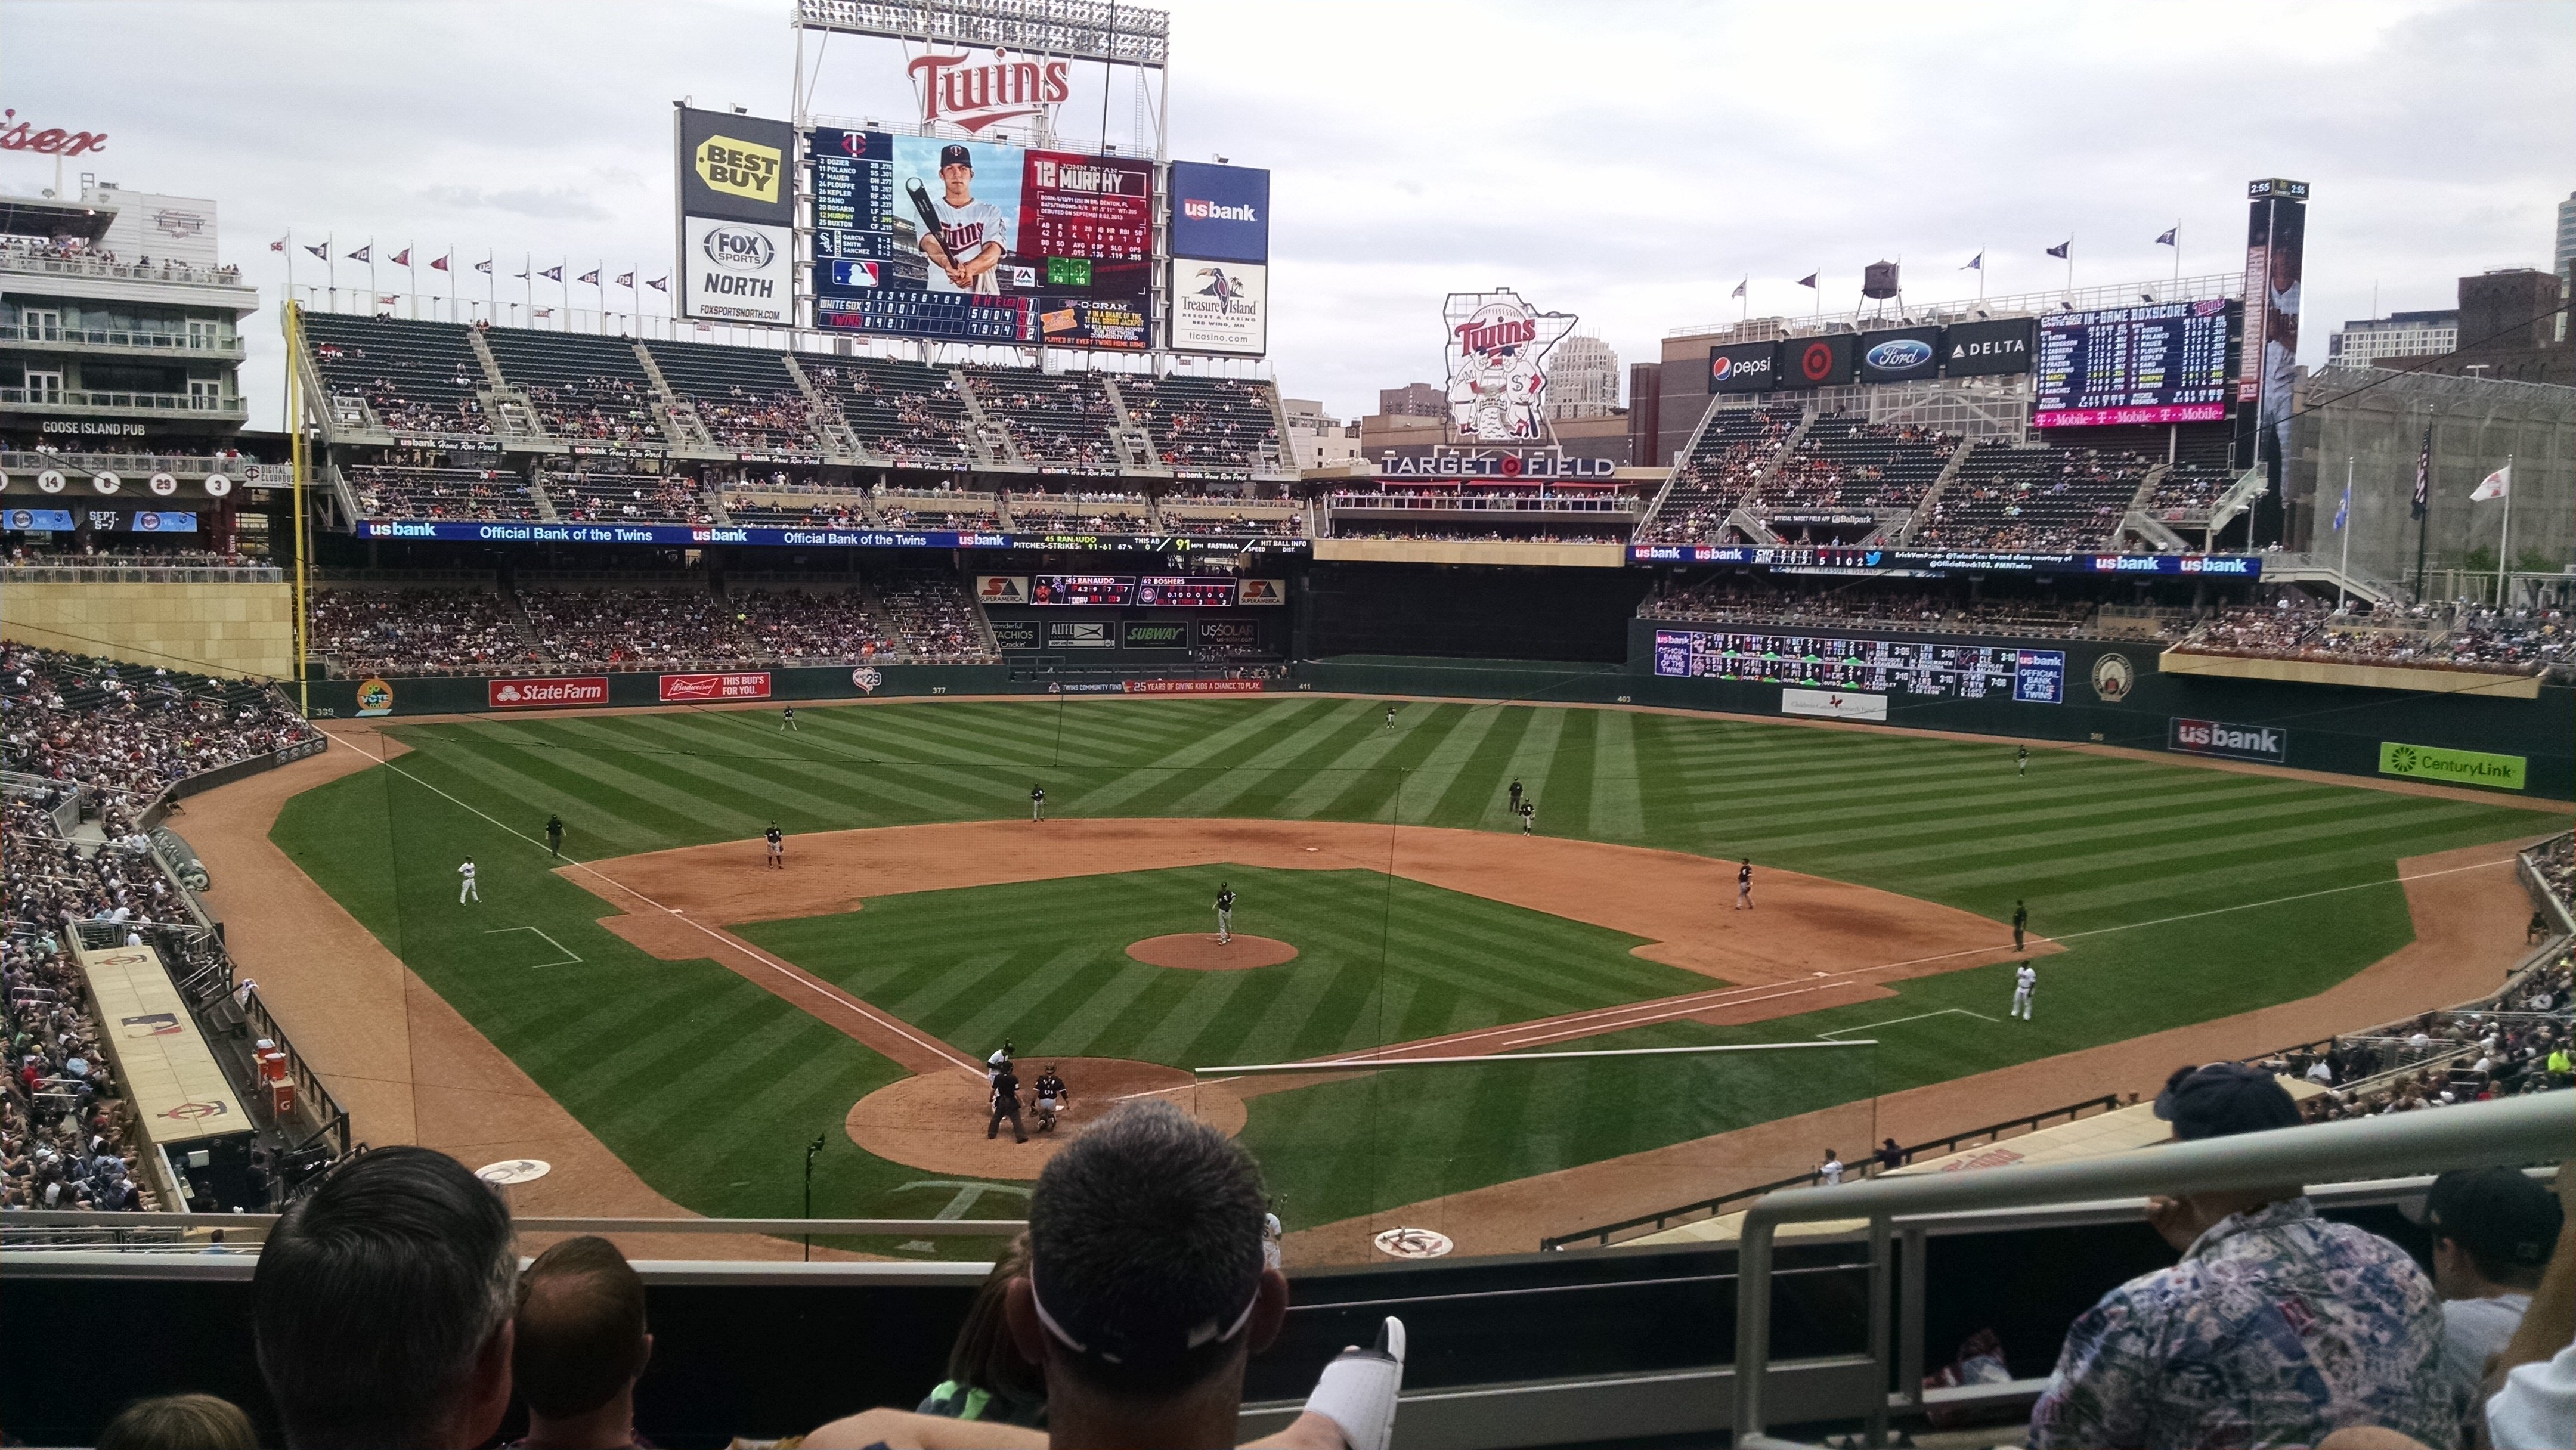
(1357, 1390)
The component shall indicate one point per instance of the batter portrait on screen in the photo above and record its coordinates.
(966, 215)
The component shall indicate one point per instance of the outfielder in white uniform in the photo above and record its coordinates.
(2023, 981)
(466, 892)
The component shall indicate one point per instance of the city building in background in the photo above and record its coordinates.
(2563, 260)
(2399, 334)
(1318, 439)
(1582, 379)
(1413, 400)
(2510, 327)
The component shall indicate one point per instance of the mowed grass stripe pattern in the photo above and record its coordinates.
(707, 1085)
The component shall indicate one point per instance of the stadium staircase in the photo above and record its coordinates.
(840, 445)
(2141, 524)
(545, 506)
(513, 415)
(991, 442)
(336, 487)
(1743, 519)
(1932, 496)
(1134, 444)
(2239, 497)
(679, 416)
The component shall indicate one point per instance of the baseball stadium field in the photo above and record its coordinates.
(707, 1017)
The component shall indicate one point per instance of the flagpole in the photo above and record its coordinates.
(2343, 570)
(411, 287)
(565, 277)
(331, 267)
(2504, 543)
(290, 264)
(372, 294)
(2424, 514)
(1981, 271)
(491, 285)
(2177, 281)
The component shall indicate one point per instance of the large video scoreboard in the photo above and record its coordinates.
(1957, 671)
(2163, 363)
(966, 241)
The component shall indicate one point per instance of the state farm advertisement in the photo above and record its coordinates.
(544, 694)
(752, 686)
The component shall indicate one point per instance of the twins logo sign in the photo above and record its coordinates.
(1496, 350)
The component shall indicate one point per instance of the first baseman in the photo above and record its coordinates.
(467, 891)
(1224, 913)
(777, 840)
(2023, 982)
(1744, 885)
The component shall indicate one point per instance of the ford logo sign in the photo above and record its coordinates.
(1898, 354)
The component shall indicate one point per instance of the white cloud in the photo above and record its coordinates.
(1628, 163)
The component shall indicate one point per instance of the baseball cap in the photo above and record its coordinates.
(2497, 1214)
(955, 156)
(2224, 1099)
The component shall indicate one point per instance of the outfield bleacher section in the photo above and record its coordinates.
(1056, 419)
(908, 413)
(1206, 425)
(745, 398)
(642, 498)
(2036, 498)
(1731, 451)
(584, 388)
(361, 631)
(402, 492)
(1846, 462)
(414, 377)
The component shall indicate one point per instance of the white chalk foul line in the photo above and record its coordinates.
(570, 957)
(1893, 1021)
(819, 988)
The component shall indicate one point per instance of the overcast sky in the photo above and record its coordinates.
(1628, 163)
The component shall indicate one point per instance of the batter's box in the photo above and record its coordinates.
(564, 955)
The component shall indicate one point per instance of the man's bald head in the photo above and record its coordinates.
(581, 1336)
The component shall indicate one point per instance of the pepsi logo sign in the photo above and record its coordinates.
(1898, 354)
(1719, 367)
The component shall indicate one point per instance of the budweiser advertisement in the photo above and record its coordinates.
(750, 686)
(1496, 350)
(552, 692)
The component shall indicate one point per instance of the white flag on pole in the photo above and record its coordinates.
(2494, 485)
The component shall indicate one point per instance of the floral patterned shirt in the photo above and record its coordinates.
(2276, 1328)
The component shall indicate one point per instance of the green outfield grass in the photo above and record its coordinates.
(710, 1086)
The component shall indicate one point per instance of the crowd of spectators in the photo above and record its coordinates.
(74, 249)
(416, 631)
(2297, 625)
(403, 492)
(693, 627)
(126, 731)
(143, 553)
(626, 498)
(2519, 1044)
(834, 513)
(1349, 529)
(907, 412)
(1063, 419)
(2188, 491)
(1846, 462)
(64, 1140)
(1733, 449)
(1206, 423)
(1855, 606)
(1275, 526)
(598, 408)
(930, 610)
(2043, 499)
(1096, 510)
(746, 420)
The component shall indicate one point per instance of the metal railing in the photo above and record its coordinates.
(1714, 1207)
(19, 259)
(2515, 1132)
(106, 572)
(2017, 304)
(143, 465)
(97, 400)
(147, 342)
(330, 1119)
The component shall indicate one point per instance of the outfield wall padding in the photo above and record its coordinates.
(2324, 727)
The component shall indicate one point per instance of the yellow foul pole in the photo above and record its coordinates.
(295, 442)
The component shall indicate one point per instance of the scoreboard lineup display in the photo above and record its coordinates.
(1075, 235)
(1954, 671)
(2166, 363)
(1174, 591)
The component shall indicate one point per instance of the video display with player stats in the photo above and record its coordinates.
(1963, 672)
(1187, 591)
(2163, 363)
(966, 241)
(1110, 589)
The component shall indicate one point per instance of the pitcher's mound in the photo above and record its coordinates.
(1200, 952)
(935, 1121)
